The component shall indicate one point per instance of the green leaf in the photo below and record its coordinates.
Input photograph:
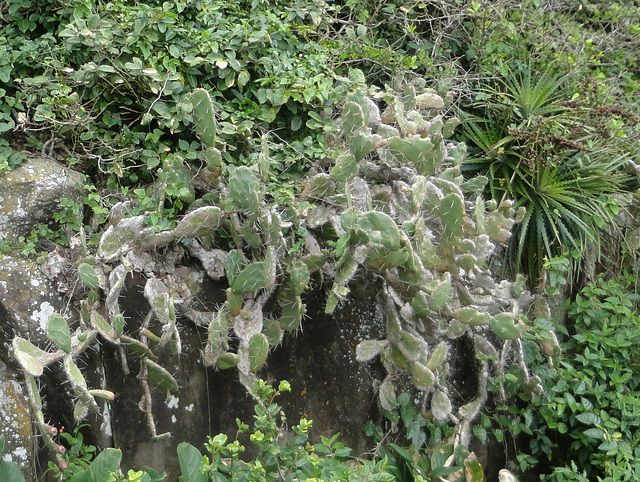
(589, 418)
(10, 471)
(191, 464)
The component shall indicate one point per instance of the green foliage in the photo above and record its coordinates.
(586, 420)
(551, 159)
(9, 470)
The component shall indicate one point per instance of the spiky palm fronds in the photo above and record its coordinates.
(566, 209)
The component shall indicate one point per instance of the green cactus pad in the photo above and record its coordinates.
(412, 347)
(438, 355)
(362, 144)
(422, 377)
(227, 360)
(74, 375)
(507, 326)
(380, 229)
(199, 223)
(451, 213)
(31, 358)
(58, 332)
(440, 405)
(258, 351)
(471, 316)
(104, 394)
(160, 376)
(352, 119)
(273, 331)
(251, 278)
(345, 169)
(298, 276)
(233, 264)
(346, 268)
(369, 349)
(204, 117)
(441, 293)
(318, 187)
(88, 276)
(214, 159)
(244, 189)
(138, 348)
(449, 127)
(292, 311)
(379, 259)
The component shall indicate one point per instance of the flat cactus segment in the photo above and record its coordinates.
(441, 293)
(233, 264)
(475, 184)
(471, 316)
(58, 332)
(345, 169)
(88, 276)
(74, 375)
(440, 405)
(422, 153)
(450, 126)
(298, 276)
(438, 355)
(251, 278)
(369, 349)
(199, 222)
(258, 351)
(507, 326)
(204, 117)
(346, 268)
(104, 394)
(227, 360)
(318, 187)
(31, 358)
(273, 331)
(412, 346)
(380, 259)
(381, 229)
(353, 119)
(422, 377)
(451, 213)
(218, 329)
(137, 347)
(214, 159)
(245, 189)
(362, 144)
(160, 376)
(292, 311)
(429, 101)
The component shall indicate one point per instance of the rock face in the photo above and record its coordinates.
(31, 193)
(15, 420)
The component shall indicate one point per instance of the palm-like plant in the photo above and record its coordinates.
(567, 205)
(533, 151)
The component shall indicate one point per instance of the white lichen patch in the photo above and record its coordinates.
(172, 402)
(189, 408)
(173, 419)
(41, 316)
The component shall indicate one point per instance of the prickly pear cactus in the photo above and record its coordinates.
(394, 206)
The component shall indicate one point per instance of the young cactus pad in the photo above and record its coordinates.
(204, 117)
